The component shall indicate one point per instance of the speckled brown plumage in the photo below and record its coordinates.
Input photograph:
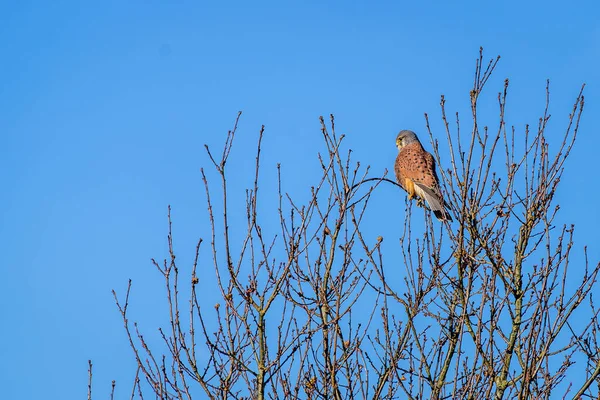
(414, 163)
(415, 172)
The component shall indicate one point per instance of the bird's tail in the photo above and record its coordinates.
(434, 201)
(442, 215)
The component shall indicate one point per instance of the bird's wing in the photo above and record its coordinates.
(413, 163)
(430, 176)
(431, 190)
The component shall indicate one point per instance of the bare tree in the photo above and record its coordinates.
(486, 308)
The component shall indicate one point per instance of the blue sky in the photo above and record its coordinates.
(106, 107)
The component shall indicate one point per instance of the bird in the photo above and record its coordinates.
(415, 172)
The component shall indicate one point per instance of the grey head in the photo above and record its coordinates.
(406, 137)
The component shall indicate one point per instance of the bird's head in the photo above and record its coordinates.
(406, 137)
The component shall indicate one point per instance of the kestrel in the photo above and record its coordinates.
(415, 172)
